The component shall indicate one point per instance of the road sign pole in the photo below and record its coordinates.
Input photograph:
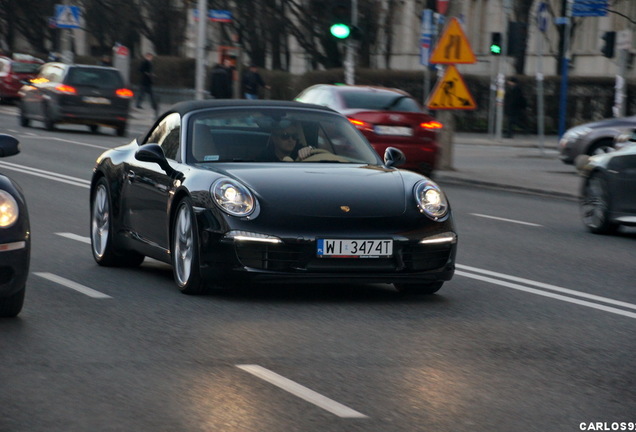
(565, 66)
(541, 25)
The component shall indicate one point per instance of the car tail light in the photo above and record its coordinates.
(124, 93)
(63, 88)
(431, 125)
(361, 124)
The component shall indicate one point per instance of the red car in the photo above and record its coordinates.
(13, 71)
(386, 117)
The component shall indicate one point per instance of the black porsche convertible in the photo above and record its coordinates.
(268, 191)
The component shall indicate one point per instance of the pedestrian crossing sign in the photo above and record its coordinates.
(451, 92)
(453, 46)
(67, 16)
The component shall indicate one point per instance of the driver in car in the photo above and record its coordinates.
(287, 144)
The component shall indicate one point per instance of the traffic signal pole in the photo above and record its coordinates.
(350, 60)
(200, 49)
(501, 81)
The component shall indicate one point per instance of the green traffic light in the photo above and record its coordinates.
(340, 31)
(495, 49)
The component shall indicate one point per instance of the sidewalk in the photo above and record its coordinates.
(521, 164)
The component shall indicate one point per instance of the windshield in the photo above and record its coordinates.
(379, 101)
(30, 68)
(275, 135)
(102, 78)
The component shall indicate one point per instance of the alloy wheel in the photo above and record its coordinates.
(100, 224)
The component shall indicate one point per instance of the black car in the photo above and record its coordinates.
(15, 238)
(207, 191)
(79, 94)
(608, 195)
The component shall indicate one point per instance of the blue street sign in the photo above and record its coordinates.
(589, 8)
(67, 16)
(542, 17)
(426, 37)
(218, 15)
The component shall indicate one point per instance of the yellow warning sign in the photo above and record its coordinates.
(453, 46)
(451, 92)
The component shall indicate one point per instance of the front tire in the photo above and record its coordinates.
(24, 121)
(418, 289)
(12, 305)
(102, 246)
(595, 206)
(120, 130)
(49, 124)
(185, 250)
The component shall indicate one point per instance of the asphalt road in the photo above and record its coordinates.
(534, 333)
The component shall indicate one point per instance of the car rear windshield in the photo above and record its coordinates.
(380, 101)
(102, 78)
(30, 68)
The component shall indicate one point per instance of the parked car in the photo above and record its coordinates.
(386, 117)
(206, 191)
(15, 238)
(14, 71)
(608, 195)
(592, 138)
(81, 94)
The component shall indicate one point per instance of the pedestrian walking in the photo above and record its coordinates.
(252, 83)
(221, 80)
(515, 105)
(146, 70)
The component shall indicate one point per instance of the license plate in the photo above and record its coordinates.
(341, 248)
(394, 130)
(96, 100)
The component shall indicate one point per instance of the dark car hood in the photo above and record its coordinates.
(323, 191)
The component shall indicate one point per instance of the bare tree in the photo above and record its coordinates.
(30, 18)
(112, 21)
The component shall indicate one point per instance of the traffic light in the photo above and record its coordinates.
(517, 32)
(340, 30)
(340, 27)
(609, 40)
(495, 43)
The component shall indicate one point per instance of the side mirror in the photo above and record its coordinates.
(9, 145)
(393, 157)
(154, 154)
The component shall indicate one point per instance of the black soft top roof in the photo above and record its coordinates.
(188, 106)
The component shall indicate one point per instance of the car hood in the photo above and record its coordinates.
(322, 191)
(613, 122)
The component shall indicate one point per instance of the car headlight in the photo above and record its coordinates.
(430, 199)
(9, 210)
(232, 197)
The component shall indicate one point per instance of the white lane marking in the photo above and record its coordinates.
(301, 391)
(514, 286)
(548, 287)
(70, 142)
(47, 174)
(548, 294)
(505, 220)
(76, 237)
(72, 285)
